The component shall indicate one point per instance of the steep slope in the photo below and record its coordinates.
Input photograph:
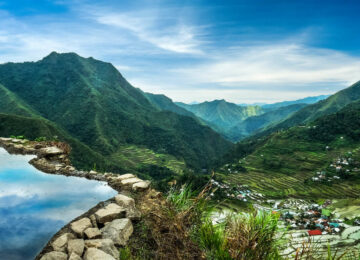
(12, 104)
(324, 107)
(93, 102)
(285, 163)
(221, 115)
(255, 123)
(307, 100)
(164, 103)
(37, 127)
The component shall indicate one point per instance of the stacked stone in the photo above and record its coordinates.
(99, 236)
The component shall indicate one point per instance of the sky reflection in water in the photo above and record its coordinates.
(35, 205)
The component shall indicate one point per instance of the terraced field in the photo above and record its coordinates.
(280, 167)
(135, 157)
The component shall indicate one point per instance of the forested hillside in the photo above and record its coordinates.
(94, 104)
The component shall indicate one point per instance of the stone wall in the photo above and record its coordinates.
(99, 233)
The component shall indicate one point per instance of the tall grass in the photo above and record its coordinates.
(313, 250)
(253, 236)
(241, 236)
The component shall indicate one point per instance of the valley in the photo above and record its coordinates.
(302, 155)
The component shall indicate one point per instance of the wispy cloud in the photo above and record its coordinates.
(281, 64)
(156, 28)
(168, 49)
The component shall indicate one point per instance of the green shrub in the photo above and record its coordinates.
(40, 139)
(125, 253)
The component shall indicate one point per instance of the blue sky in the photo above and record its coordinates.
(242, 51)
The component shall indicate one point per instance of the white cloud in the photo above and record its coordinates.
(276, 64)
(161, 51)
(150, 27)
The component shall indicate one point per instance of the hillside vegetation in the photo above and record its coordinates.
(97, 107)
(324, 107)
(254, 124)
(284, 163)
(236, 122)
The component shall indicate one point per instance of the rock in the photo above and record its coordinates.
(129, 204)
(54, 255)
(51, 151)
(140, 186)
(125, 201)
(130, 181)
(125, 176)
(106, 245)
(74, 256)
(76, 246)
(96, 254)
(80, 225)
(93, 220)
(93, 172)
(69, 168)
(60, 243)
(43, 165)
(133, 214)
(118, 231)
(109, 213)
(92, 233)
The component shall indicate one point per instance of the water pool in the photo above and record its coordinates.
(35, 205)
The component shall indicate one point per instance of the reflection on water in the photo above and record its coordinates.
(35, 205)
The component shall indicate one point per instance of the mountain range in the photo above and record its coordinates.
(89, 103)
(282, 161)
(236, 122)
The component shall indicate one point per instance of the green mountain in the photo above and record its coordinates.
(324, 107)
(254, 124)
(94, 104)
(32, 128)
(284, 163)
(238, 122)
(164, 103)
(221, 115)
(307, 100)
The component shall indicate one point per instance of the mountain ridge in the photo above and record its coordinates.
(95, 104)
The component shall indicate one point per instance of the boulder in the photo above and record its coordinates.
(80, 225)
(92, 233)
(109, 213)
(76, 246)
(125, 201)
(93, 220)
(106, 245)
(51, 151)
(140, 186)
(129, 204)
(96, 254)
(130, 181)
(118, 231)
(125, 176)
(54, 255)
(74, 256)
(60, 243)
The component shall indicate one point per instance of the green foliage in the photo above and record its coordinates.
(17, 137)
(181, 198)
(212, 239)
(325, 107)
(252, 236)
(254, 124)
(81, 156)
(40, 139)
(222, 115)
(91, 102)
